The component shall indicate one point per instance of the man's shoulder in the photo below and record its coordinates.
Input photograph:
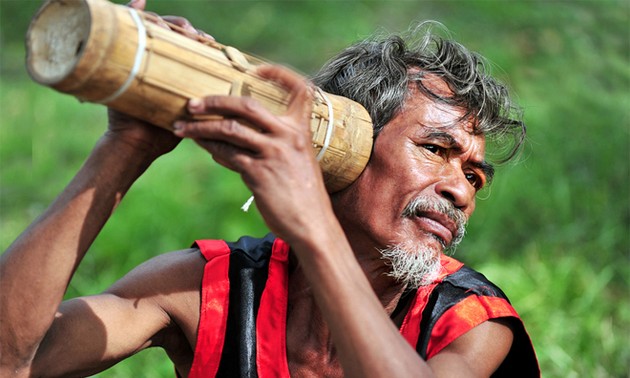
(467, 280)
(462, 299)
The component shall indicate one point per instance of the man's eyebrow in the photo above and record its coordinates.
(444, 136)
(487, 169)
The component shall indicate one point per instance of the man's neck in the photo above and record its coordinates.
(386, 289)
(310, 347)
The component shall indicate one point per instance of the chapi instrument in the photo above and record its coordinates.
(105, 53)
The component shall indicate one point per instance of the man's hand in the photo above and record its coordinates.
(273, 153)
(176, 23)
(141, 136)
(137, 133)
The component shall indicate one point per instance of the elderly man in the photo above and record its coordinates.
(355, 283)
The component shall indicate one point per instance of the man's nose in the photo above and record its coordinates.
(454, 187)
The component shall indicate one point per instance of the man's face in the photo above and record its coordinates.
(425, 152)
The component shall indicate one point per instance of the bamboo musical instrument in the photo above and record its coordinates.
(106, 53)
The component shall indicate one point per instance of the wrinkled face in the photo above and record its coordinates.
(425, 152)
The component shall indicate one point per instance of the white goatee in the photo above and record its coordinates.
(415, 267)
(418, 265)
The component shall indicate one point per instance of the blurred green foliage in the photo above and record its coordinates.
(553, 230)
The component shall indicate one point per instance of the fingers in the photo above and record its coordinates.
(182, 23)
(137, 4)
(158, 20)
(298, 111)
(245, 108)
(224, 130)
(175, 23)
(231, 144)
(226, 154)
(245, 132)
(184, 27)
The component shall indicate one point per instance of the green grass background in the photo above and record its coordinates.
(553, 231)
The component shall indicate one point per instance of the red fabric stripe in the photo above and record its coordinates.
(214, 306)
(463, 317)
(271, 337)
(410, 328)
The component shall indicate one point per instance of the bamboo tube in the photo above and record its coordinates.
(105, 53)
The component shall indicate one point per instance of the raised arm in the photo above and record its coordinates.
(37, 267)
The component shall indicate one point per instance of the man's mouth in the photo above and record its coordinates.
(438, 219)
(437, 224)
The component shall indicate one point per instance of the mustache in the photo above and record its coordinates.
(423, 204)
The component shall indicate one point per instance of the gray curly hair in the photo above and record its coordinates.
(376, 73)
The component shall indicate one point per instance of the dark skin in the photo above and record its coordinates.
(337, 238)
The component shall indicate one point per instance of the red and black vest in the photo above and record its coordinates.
(242, 324)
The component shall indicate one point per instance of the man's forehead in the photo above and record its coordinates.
(431, 106)
(432, 83)
(432, 115)
(446, 124)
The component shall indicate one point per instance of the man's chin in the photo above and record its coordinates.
(432, 242)
(446, 248)
(413, 265)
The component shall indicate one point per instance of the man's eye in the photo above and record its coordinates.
(433, 148)
(474, 180)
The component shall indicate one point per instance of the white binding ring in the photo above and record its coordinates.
(329, 127)
(142, 44)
